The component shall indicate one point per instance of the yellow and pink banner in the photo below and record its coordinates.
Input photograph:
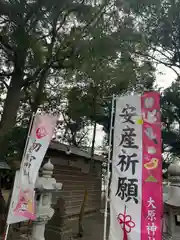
(136, 189)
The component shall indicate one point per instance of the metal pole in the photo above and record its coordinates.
(108, 170)
(6, 232)
(29, 131)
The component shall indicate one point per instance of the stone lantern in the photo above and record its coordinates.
(172, 203)
(46, 187)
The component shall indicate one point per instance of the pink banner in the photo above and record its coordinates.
(152, 204)
(25, 205)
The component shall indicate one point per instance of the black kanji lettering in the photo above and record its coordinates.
(127, 189)
(122, 188)
(35, 147)
(27, 165)
(127, 113)
(31, 159)
(127, 160)
(128, 138)
(132, 190)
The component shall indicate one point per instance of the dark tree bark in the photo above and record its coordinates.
(8, 119)
(2, 213)
(11, 107)
(12, 101)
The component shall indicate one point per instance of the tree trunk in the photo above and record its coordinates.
(2, 213)
(39, 91)
(81, 215)
(8, 121)
(10, 110)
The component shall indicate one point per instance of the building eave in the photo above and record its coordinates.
(73, 150)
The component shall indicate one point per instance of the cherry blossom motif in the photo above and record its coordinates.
(41, 132)
(25, 205)
(126, 223)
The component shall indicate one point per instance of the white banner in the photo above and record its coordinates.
(12, 218)
(22, 200)
(39, 140)
(126, 185)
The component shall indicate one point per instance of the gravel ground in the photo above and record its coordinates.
(93, 227)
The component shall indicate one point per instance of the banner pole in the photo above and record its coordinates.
(108, 169)
(6, 232)
(29, 131)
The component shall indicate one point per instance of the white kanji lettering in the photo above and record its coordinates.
(151, 215)
(151, 229)
(151, 203)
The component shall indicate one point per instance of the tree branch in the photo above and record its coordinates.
(4, 83)
(81, 138)
(6, 49)
(158, 61)
(34, 78)
(96, 16)
(164, 55)
(4, 74)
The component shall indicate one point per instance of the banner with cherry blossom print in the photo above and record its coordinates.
(38, 142)
(132, 182)
(26, 204)
(13, 217)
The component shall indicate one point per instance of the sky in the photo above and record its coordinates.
(164, 78)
